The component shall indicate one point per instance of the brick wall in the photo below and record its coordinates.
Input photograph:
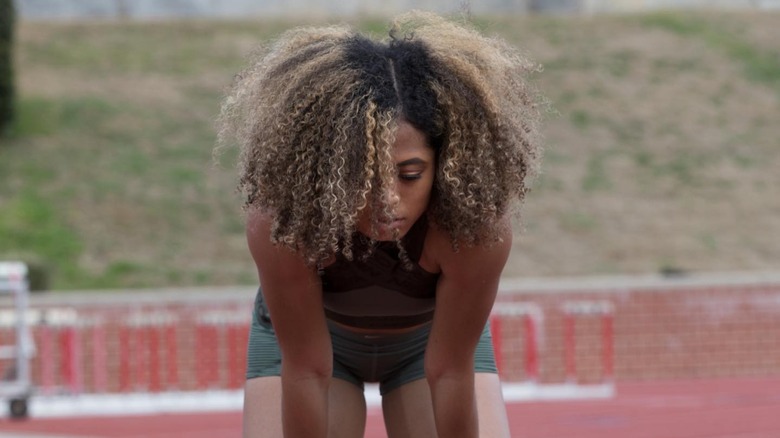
(662, 328)
(708, 326)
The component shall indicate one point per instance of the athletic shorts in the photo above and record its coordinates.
(390, 359)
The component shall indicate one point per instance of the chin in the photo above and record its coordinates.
(385, 236)
(387, 232)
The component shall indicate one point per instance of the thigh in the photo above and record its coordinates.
(408, 410)
(491, 409)
(346, 410)
(263, 409)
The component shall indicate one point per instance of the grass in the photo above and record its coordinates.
(136, 48)
(661, 138)
(759, 65)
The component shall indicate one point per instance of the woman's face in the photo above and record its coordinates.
(415, 163)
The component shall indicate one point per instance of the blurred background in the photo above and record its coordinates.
(661, 140)
(657, 213)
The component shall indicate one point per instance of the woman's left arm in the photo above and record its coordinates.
(464, 298)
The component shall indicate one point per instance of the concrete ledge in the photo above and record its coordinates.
(622, 283)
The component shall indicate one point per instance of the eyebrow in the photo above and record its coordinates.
(411, 161)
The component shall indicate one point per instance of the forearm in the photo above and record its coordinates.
(454, 404)
(304, 405)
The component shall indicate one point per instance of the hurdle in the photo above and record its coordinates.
(532, 318)
(61, 334)
(226, 332)
(147, 340)
(16, 381)
(574, 310)
(529, 324)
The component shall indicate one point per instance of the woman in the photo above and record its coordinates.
(380, 178)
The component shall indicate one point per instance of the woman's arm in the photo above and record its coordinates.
(464, 298)
(293, 293)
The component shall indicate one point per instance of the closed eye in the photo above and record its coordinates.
(412, 169)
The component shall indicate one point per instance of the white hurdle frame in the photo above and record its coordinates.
(17, 388)
(532, 389)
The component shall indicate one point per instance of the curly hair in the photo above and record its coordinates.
(315, 118)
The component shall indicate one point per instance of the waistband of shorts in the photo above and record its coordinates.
(379, 338)
(380, 322)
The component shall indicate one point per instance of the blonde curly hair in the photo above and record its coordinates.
(315, 118)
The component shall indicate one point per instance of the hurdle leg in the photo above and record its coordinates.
(570, 348)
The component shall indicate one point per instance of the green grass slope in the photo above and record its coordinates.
(663, 148)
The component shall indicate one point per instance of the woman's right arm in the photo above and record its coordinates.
(293, 293)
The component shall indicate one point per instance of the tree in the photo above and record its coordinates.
(7, 21)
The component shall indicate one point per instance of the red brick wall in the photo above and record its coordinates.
(719, 326)
(694, 327)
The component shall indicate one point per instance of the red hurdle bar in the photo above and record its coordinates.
(48, 378)
(153, 354)
(70, 349)
(533, 317)
(570, 347)
(126, 355)
(531, 349)
(608, 347)
(99, 358)
(602, 309)
(171, 356)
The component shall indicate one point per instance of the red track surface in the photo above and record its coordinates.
(737, 408)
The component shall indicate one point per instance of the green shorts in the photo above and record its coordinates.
(392, 360)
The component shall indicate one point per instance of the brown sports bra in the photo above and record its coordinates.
(378, 292)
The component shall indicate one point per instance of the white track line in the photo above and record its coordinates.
(53, 406)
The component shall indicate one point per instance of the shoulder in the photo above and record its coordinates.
(271, 258)
(489, 258)
(258, 226)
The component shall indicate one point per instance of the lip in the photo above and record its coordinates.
(392, 224)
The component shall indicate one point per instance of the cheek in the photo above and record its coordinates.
(419, 195)
(429, 185)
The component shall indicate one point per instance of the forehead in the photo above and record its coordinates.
(411, 143)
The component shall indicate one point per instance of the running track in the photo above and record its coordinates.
(734, 408)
